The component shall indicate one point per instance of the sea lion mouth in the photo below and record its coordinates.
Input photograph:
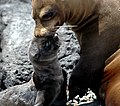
(44, 49)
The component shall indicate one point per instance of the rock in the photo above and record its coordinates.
(16, 33)
(13, 1)
(21, 95)
(26, 1)
(69, 49)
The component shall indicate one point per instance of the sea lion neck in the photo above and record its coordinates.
(83, 8)
(46, 62)
(51, 66)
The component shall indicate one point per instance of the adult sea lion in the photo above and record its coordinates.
(97, 27)
(47, 79)
(110, 89)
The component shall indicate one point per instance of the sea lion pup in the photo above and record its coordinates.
(48, 73)
(45, 84)
(97, 27)
(110, 89)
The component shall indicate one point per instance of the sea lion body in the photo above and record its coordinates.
(97, 27)
(48, 73)
(110, 89)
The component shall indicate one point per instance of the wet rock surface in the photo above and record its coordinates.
(16, 32)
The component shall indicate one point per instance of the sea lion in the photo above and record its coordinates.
(97, 27)
(48, 72)
(110, 88)
(47, 79)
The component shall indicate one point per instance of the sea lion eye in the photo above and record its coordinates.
(47, 45)
(48, 15)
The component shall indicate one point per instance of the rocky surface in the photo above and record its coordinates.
(16, 32)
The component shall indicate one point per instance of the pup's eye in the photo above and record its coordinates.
(48, 15)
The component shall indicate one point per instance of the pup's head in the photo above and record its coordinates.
(43, 49)
(47, 14)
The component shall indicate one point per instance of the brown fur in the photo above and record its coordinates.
(110, 88)
(98, 32)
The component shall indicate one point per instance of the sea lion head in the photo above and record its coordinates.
(43, 49)
(48, 16)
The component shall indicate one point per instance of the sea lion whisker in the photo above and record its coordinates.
(67, 26)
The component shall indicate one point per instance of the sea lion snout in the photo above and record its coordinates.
(48, 16)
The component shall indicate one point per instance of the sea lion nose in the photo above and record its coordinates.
(40, 32)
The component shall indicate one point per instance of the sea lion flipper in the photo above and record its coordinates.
(39, 98)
